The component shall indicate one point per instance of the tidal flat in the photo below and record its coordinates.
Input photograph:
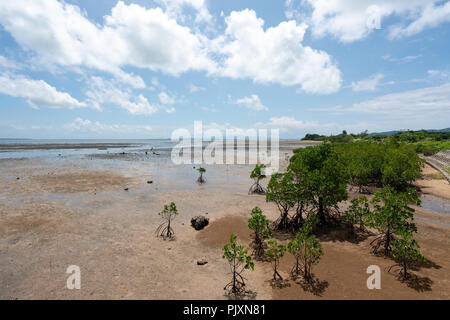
(96, 209)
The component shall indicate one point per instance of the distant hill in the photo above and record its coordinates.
(390, 133)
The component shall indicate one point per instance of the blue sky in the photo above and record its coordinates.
(141, 68)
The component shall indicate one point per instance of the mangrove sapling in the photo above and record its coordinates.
(305, 248)
(392, 214)
(257, 175)
(168, 214)
(261, 227)
(239, 261)
(302, 196)
(274, 253)
(311, 254)
(281, 191)
(295, 247)
(201, 179)
(356, 213)
(406, 251)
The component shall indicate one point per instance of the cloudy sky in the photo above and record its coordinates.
(142, 68)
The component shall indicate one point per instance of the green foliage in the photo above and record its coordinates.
(309, 223)
(305, 248)
(235, 253)
(261, 227)
(314, 137)
(344, 137)
(341, 138)
(429, 148)
(302, 195)
(401, 167)
(392, 214)
(257, 175)
(274, 253)
(422, 135)
(389, 163)
(406, 251)
(363, 160)
(258, 172)
(324, 177)
(168, 210)
(168, 213)
(377, 138)
(295, 247)
(201, 170)
(414, 137)
(281, 191)
(239, 261)
(357, 212)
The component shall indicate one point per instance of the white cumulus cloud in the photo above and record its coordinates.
(8, 63)
(349, 20)
(369, 84)
(37, 93)
(103, 91)
(164, 98)
(274, 55)
(60, 33)
(253, 103)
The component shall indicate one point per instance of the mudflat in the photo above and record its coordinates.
(63, 146)
(101, 215)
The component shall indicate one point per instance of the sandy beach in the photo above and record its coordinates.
(100, 213)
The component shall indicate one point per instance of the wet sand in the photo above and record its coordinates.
(64, 146)
(57, 213)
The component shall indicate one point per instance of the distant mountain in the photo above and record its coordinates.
(390, 133)
(442, 130)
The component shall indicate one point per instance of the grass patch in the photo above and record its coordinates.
(429, 148)
(434, 176)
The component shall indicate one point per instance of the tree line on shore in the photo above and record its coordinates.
(427, 142)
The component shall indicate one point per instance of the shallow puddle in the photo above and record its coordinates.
(435, 204)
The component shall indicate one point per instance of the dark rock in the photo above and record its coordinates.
(202, 262)
(126, 189)
(150, 182)
(199, 222)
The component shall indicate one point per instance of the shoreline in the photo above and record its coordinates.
(288, 143)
